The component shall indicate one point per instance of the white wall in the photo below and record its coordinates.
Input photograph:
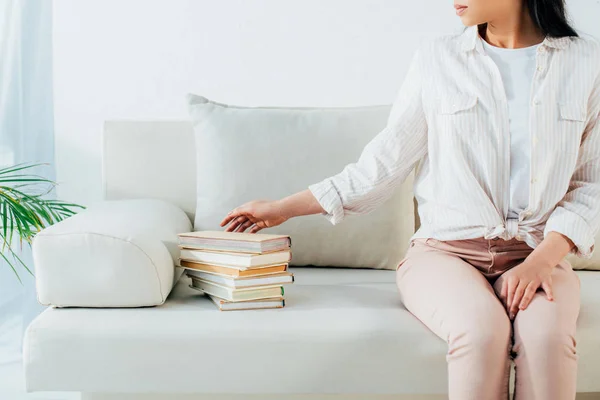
(136, 59)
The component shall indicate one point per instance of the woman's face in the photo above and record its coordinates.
(474, 12)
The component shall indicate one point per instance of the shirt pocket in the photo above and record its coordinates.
(458, 117)
(571, 124)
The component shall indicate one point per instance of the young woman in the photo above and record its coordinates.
(503, 120)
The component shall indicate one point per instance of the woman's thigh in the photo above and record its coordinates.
(449, 295)
(557, 317)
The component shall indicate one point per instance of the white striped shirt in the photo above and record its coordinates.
(450, 123)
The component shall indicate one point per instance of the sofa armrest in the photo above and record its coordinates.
(119, 253)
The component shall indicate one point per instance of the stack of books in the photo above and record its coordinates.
(238, 270)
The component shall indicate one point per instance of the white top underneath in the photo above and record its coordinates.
(517, 67)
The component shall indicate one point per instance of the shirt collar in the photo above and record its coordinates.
(471, 39)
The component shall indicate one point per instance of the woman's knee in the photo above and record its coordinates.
(537, 340)
(546, 327)
(487, 334)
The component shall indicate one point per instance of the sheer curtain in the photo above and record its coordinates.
(26, 135)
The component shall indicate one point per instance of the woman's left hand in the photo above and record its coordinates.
(520, 284)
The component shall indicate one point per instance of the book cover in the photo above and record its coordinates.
(237, 294)
(233, 271)
(245, 282)
(235, 260)
(235, 241)
(224, 305)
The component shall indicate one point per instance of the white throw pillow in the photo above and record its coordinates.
(249, 153)
(119, 253)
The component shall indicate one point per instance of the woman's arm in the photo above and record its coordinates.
(362, 185)
(269, 213)
(551, 251)
(577, 215)
(300, 203)
(386, 160)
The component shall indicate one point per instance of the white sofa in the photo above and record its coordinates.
(343, 331)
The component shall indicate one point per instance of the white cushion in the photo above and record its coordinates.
(592, 263)
(112, 254)
(341, 331)
(248, 153)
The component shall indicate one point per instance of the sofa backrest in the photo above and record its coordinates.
(153, 159)
(150, 159)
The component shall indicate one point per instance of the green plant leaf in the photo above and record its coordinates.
(5, 229)
(24, 211)
(19, 167)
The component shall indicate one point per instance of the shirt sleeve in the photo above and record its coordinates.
(577, 215)
(385, 161)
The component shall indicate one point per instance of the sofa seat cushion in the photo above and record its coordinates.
(341, 331)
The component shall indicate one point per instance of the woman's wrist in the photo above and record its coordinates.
(297, 204)
(550, 251)
(282, 208)
(541, 263)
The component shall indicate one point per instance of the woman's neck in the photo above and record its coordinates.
(511, 33)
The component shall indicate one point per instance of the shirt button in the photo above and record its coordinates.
(536, 102)
(540, 68)
(533, 180)
(518, 237)
(535, 140)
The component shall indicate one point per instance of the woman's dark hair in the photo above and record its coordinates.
(549, 16)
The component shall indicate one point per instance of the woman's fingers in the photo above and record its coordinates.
(230, 215)
(532, 289)
(547, 287)
(243, 226)
(257, 227)
(511, 283)
(528, 295)
(514, 304)
(235, 223)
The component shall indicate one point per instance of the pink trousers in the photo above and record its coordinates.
(453, 286)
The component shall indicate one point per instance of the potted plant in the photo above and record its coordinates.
(23, 212)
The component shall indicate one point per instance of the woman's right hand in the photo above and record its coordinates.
(260, 213)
